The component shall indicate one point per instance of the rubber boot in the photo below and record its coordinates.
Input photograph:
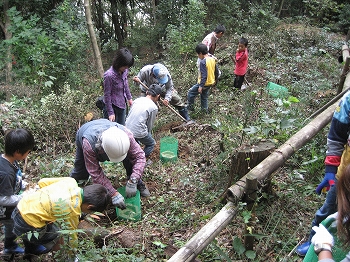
(11, 247)
(302, 249)
(34, 249)
(184, 113)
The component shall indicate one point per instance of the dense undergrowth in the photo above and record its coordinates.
(185, 195)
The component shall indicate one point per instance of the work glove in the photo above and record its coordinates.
(131, 188)
(119, 201)
(327, 182)
(335, 216)
(322, 236)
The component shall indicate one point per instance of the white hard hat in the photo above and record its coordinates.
(115, 143)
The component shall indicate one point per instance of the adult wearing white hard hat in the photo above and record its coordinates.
(102, 140)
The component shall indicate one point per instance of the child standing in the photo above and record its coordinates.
(207, 76)
(18, 143)
(241, 63)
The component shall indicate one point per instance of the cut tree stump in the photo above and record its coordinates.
(247, 158)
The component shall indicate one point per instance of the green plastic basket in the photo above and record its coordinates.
(168, 149)
(133, 207)
(276, 90)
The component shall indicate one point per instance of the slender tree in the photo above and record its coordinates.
(94, 43)
(8, 35)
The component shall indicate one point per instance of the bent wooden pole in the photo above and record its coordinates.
(262, 171)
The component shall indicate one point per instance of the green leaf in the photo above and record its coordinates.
(48, 83)
(161, 200)
(251, 130)
(204, 217)
(159, 244)
(246, 216)
(29, 235)
(293, 99)
(287, 123)
(238, 246)
(250, 254)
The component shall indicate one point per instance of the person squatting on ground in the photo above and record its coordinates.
(142, 116)
(159, 74)
(18, 144)
(57, 205)
(337, 158)
(102, 140)
(323, 240)
(207, 77)
(116, 87)
(241, 63)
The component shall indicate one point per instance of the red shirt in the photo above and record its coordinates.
(241, 63)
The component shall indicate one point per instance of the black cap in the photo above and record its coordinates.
(154, 90)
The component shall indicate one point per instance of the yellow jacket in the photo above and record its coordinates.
(58, 198)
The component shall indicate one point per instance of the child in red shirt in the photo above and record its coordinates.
(241, 62)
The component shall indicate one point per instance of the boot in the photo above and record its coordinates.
(11, 247)
(184, 113)
(302, 249)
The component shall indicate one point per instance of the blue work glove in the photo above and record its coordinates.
(118, 201)
(327, 182)
(131, 188)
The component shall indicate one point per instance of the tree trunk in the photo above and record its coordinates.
(94, 43)
(280, 9)
(8, 35)
(247, 158)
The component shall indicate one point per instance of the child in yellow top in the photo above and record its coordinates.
(207, 77)
(58, 203)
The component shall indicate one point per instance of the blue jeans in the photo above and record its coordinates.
(47, 237)
(9, 235)
(329, 207)
(193, 92)
(120, 114)
(148, 142)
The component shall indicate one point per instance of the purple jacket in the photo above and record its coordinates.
(116, 89)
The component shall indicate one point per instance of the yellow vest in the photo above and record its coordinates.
(210, 65)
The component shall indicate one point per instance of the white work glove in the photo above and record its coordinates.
(335, 216)
(131, 188)
(322, 236)
(119, 201)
